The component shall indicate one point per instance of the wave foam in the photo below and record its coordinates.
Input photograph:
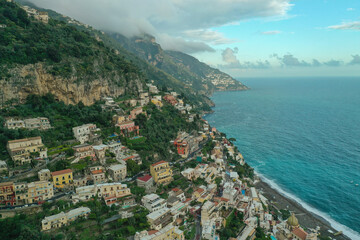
(336, 225)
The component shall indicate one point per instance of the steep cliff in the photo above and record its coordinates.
(36, 79)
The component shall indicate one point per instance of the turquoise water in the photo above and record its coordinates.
(303, 137)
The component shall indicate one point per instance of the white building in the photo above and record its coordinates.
(153, 202)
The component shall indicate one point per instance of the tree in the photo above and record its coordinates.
(132, 167)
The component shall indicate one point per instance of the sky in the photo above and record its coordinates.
(245, 38)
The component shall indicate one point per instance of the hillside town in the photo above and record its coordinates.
(206, 192)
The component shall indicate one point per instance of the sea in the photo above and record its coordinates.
(302, 136)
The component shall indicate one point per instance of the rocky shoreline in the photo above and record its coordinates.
(306, 218)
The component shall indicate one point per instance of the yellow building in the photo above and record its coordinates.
(63, 178)
(157, 102)
(21, 150)
(33, 192)
(161, 172)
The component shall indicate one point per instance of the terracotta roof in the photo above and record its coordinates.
(61, 172)
(161, 162)
(224, 199)
(300, 233)
(199, 190)
(175, 189)
(151, 232)
(131, 157)
(145, 178)
(97, 171)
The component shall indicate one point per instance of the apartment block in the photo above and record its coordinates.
(63, 219)
(153, 202)
(23, 150)
(161, 172)
(117, 172)
(27, 193)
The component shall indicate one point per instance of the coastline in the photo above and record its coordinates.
(306, 218)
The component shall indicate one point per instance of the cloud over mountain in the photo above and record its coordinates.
(190, 20)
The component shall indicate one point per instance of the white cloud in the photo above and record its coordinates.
(209, 36)
(232, 62)
(347, 26)
(350, 9)
(355, 60)
(275, 32)
(176, 18)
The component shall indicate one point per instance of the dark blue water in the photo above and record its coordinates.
(303, 136)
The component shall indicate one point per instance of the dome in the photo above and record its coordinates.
(293, 221)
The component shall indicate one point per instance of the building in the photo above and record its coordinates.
(42, 16)
(40, 123)
(83, 151)
(170, 99)
(110, 192)
(190, 174)
(178, 193)
(161, 172)
(167, 233)
(157, 102)
(44, 175)
(100, 151)
(98, 176)
(79, 181)
(85, 133)
(146, 182)
(63, 178)
(160, 218)
(128, 127)
(153, 202)
(209, 230)
(63, 219)
(135, 112)
(13, 123)
(117, 172)
(28, 193)
(7, 194)
(152, 89)
(185, 144)
(24, 150)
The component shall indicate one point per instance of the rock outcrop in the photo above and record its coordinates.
(35, 79)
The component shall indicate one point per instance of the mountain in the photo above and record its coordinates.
(39, 57)
(184, 67)
(76, 62)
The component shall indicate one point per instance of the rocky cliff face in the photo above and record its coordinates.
(35, 79)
